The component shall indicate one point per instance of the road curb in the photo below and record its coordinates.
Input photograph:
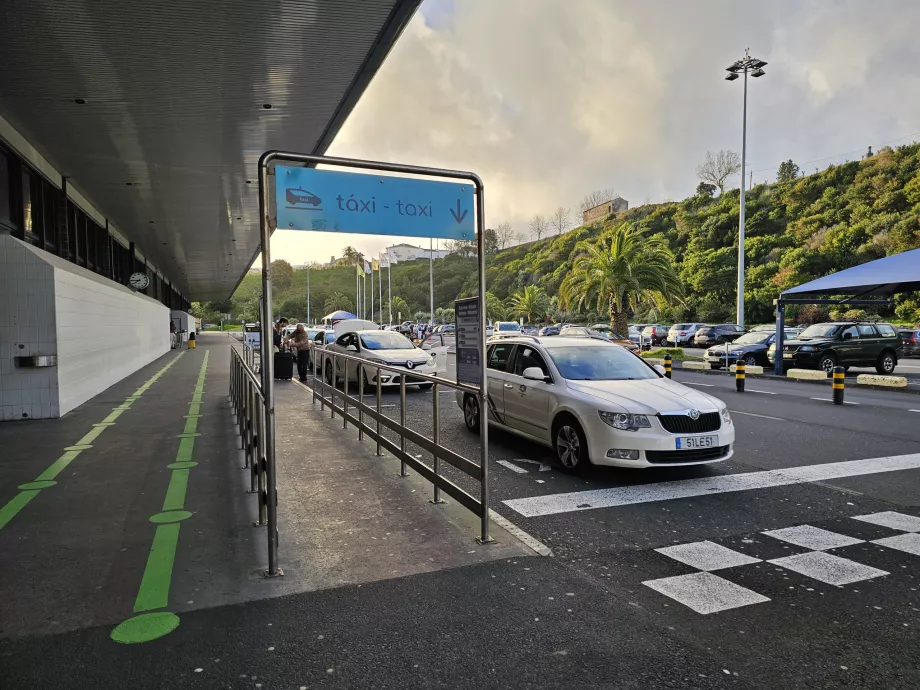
(826, 382)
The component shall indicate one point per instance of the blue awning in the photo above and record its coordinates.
(879, 278)
(340, 315)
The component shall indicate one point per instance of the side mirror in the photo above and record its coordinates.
(847, 336)
(534, 374)
(659, 369)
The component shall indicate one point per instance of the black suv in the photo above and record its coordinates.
(847, 344)
(707, 336)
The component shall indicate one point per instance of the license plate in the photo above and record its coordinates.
(696, 442)
(787, 355)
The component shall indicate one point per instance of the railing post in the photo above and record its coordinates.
(402, 423)
(379, 397)
(344, 394)
(436, 438)
(360, 401)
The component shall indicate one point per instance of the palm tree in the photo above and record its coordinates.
(621, 271)
(351, 255)
(337, 301)
(532, 303)
(399, 306)
(495, 310)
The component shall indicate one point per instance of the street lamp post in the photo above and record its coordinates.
(308, 295)
(755, 67)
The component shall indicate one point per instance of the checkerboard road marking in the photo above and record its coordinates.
(705, 592)
(707, 555)
(813, 538)
(828, 568)
(908, 543)
(893, 520)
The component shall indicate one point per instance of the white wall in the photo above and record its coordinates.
(100, 331)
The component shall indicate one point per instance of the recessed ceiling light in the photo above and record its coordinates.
(267, 106)
(151, 222)
(238, 218)
(79, 101)
(129, 184)
(248, 181)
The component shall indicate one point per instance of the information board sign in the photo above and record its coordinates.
(469, 340)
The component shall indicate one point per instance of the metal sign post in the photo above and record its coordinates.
(294, 195)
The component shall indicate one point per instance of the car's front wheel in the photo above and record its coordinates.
(750, 360)
(425, 386)
(827, 363)
(886, 363)
(571, 445)
(471, 413)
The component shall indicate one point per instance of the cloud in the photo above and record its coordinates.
(547, 100)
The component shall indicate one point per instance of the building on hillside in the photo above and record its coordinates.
(409, 252)
(603, 210)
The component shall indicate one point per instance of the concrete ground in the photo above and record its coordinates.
(793, 565)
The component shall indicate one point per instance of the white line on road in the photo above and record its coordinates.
(706, 486)
(693, 383)
(913, 410)
(511, 466)
(845, 402)
(543, 467)
(762, 416)
(764, 392)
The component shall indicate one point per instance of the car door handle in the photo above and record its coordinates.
(508, 385)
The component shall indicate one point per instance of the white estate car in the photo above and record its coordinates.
(597, 403)
(365, 339)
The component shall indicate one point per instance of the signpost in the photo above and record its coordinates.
(294, 195)
(469, 340)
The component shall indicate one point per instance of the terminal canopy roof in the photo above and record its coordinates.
(879, 278)
(157, 111)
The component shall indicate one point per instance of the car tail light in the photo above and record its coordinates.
(683, 332)
(913, 338)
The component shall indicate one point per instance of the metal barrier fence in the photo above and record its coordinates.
(248, 407)
(326, 368)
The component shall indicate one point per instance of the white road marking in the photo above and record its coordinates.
(543, 467)
(752, 390)
(827, 568)
(511, 466)
(693, 383)
(707, 555)
(892, 519)
(913, 410)
(762, 416)
(830, 400)
(813, 538)
(705, 593)
(908, 543)
(528, 540)
(688, 488)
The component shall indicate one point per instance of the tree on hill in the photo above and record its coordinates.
(504, 235)
(495, 308)
(532, 303)
(401, 309)
(282, 275)
(337, 301)
(717, 168)
(597, 197)
(351, 255)
(620, 271)
(538, 226)
(787, 171)
(560, 220)
(705, 190)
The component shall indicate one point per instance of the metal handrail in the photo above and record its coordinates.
(368, 419)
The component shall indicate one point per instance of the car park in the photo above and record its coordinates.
(910, 342)
(609, 336)
(364, 339)
(681, 334)
(707, 336)
(842, 343)
(593, 402)
(654, 335)
(751, 348)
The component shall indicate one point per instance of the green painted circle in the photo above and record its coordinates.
(170, 516)
(182, 465)
(145, 627)
(187, 435)
(85, 446)
(31, 486)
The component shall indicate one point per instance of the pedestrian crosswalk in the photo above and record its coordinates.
(706, 592)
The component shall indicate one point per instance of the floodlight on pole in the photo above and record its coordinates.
(755, 67)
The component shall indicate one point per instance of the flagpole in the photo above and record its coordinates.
(357, 290)
(380, 287)
(431, 276)
(372, 291)
(390, 285)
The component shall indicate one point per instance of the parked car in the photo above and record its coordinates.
(364, 339)
(504, 328)
(751, 348)
(551, 330)
(681, 334)
(847, 344)
(910, 342)
(609, 336)
(595, 403)
(707, 336)
(634, 334)
(529, 330)
(654, 335)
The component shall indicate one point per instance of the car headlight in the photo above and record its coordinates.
(430, 361)
(737, 352)
(807, 348)
(625, 421)
(726, 418)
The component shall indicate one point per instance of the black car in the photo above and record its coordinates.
(551, 330)
(910, 342)
(751, 348)
(847, 344)
(707, 336)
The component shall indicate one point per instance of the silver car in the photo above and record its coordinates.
(681, 334)
(379, 347)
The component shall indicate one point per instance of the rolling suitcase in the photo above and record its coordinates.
(284, 365)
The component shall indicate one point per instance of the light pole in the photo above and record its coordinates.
(755, 67)
(308, 295)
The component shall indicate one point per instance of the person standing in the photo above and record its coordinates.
(299, 341)
(278, 335)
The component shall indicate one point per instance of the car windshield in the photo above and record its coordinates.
(508, 327)
(330, 337)
(705, 331)
(385, 340)
(601, 363)
(819, 330)
(753, 338)
(680, 327)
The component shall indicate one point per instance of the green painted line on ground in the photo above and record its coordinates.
(17, 503)
(154, 589)
(197, 409)
(58, 466)
(32, 486)
(191, 425)
(175, 492)
(153, 592)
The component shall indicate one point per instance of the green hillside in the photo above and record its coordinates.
(796, 231)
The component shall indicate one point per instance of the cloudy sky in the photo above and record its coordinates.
(549, 99)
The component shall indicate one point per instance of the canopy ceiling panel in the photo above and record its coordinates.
(882, 277)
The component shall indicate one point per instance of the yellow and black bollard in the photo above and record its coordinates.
(191, 341)
(739, 376)
(839, 373)
(667, 365)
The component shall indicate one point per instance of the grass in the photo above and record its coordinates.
(676, 353)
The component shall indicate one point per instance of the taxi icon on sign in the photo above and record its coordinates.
(302, 196)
